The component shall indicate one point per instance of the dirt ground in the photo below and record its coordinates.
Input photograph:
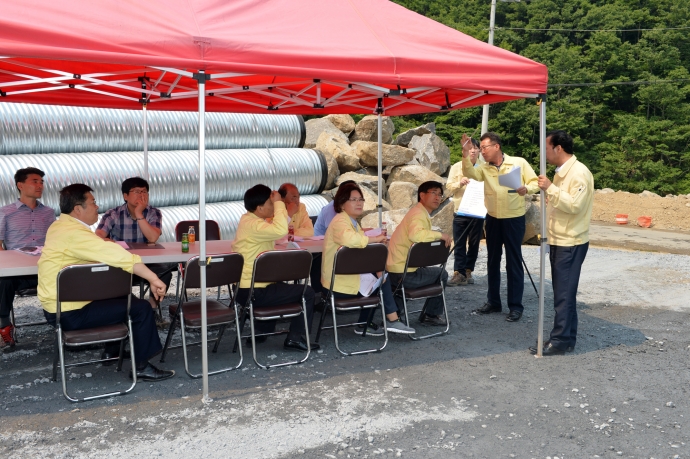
(475, 392)
(668, 213)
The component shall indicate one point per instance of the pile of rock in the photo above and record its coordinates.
(409, 159)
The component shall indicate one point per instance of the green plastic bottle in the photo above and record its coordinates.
(185, 243)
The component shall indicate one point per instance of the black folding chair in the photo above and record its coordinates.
(370, 259)
(423, 254)
(92, 282)
(279, 266)
(223, 269)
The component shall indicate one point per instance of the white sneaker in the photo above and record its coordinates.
(372, 329)
(399, 327)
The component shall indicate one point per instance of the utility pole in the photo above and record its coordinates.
(492, 23)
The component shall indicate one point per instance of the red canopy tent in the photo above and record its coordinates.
(283, 56)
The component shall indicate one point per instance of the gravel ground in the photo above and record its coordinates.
(476, 392)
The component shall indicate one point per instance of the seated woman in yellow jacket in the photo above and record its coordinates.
(345, 231)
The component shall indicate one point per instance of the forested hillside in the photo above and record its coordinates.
(635, 134)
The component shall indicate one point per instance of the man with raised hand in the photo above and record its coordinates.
(570, 200)
(505, 220)
(23, 223)
(136, 221)
(265, 222)
(416, 227)
(70, 241)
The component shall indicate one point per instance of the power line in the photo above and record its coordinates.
(588, 30)
(615, 83)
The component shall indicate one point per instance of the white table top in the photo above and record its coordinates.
(14, 263)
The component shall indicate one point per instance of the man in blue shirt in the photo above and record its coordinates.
(325, 216)
(23, 223)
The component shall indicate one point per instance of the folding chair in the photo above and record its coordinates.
(370, 259)
(279, 266)
(92, 282)
(423, 254)
(212, 234)
(24, 293)
(223, 269)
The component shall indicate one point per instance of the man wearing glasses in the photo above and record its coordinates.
(505, 222)
(416, 227)
(136, 221)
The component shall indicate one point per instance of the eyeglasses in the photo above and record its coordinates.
(356, 200)
(138, 192)
(484, 147)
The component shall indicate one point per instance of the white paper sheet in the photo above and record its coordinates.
(122, 244)
(368, 283)
(373, 232)
(512, 179)
(31, 250)
(292, 245)
(472, 204)
(316, 238)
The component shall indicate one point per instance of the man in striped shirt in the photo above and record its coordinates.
(23, 223)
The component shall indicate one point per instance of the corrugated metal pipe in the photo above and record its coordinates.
(36, 129)
(173, 175)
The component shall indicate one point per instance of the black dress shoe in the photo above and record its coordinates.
(300, 345)
(533, 349)
(552, 350)
(432, 320)
(258, 339)
(487, 309)
(152, 373)
(113, 355)
(513, 316)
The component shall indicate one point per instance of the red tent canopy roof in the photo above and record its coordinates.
(287, 56)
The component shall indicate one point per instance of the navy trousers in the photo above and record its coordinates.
(467, 247)
(566, 264)
(508, 233)
(277, 294)
(114, 311)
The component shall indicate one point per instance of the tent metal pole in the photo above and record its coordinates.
(380, 160)
(542, 208)
(146, 143)
(492, 24)
(201, 79)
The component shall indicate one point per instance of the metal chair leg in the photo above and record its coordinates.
(168, 339)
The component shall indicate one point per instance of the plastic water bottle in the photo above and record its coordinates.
(291, 233)
(185, 243)
(191, 234)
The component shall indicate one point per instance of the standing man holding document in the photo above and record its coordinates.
(467, 230)
(570, 201)
(505, 220)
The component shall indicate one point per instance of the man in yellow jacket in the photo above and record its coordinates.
(416, 227)
(255, 235)
(570, 201)
(70, 241)
(505, 222)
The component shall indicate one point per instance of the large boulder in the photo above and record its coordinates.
(392, 219)
(363, 180)
(338, 147)
(442, 218)
(343, 122)
(333, 170)
(532, 221)
(432, 152)
(371, 200)
(317, 126)
(391, 155)
(367, 129)
(413, 174)
(403, 139)
(402, 195)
